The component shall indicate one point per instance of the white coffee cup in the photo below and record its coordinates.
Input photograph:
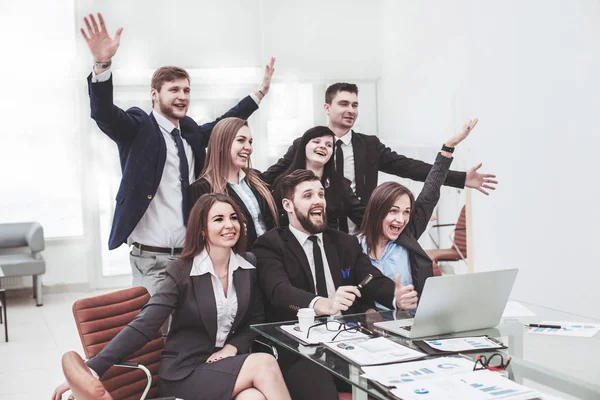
(306, 318)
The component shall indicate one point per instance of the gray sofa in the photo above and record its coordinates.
(15, 260)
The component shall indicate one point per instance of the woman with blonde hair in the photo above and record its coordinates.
(227, 170)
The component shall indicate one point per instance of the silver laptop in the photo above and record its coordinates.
(457, 303)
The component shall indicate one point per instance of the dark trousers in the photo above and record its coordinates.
(308, 381)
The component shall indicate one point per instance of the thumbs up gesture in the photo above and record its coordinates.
(406, 296)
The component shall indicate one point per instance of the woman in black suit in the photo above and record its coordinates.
(314, 153)
(212, 293)
(227, 171)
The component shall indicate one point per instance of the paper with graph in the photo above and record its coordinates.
(474, 385)
(396, 374)
(463, 344)
(580, 329)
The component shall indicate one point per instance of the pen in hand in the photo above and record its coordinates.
(543, 326)
(365, 281)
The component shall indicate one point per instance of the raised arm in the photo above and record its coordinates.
(430, 194)
(416, 170)
(119, 125)
(247, 105)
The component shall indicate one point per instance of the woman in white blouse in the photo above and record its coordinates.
(227, 170)
(212, 293)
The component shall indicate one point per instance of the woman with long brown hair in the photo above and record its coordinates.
(227, 170)
(212, 294)
(394, 221)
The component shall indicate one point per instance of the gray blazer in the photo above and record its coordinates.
(191, 339)
(420, 264)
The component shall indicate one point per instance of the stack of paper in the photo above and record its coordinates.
(374, 351)
(464, 344)
(580, 329)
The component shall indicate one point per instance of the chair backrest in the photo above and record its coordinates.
(98, 320)
(83, 385)
(460, 233)
(22, 234)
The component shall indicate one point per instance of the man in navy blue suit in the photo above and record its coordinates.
(161, 153)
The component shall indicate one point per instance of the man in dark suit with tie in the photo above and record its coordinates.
(360, 157)
(161, 153)
(308, 265)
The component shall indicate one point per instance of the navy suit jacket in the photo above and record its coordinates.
(143, 151)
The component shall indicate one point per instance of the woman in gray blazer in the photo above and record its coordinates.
(394, 221)
(212, 293)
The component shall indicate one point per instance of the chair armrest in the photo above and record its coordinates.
(143, 368)
(441, 225)
(268, 347)
(22, 234)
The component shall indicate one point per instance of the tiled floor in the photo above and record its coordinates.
(30, 366)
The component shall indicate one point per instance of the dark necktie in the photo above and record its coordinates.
(184, 174)
(339, 167)
(319, 269)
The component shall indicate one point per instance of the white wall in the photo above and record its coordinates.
(528, 70)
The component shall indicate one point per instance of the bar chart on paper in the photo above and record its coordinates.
(473, 385)
(395, 374)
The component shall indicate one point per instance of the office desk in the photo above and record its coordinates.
(569, 365)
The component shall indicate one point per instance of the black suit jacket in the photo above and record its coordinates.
(285, 277)
(201, 186)
(192, 336)
(370, 157)
(143, 152)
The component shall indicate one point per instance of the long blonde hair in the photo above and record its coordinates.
(218, 161)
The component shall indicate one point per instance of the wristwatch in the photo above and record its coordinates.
(102, 64)
(448, 149)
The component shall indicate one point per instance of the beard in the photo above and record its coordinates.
(165, 109)
(308, 225)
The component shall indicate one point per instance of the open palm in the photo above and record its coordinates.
(101, 45)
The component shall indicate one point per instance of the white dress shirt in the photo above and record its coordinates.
(249, 199)
(162, 224)
(349, 171)
(226, 305)
(307, 246)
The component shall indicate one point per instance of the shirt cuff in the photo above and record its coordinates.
(313, 301)
(101, 77)
(256, 99)
(394, 303)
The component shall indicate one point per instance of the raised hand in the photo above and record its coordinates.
(406, 296)
(462, 135)
(266, 82)
(101, 45)
(475, 180)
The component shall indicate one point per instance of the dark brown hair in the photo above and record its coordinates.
(339, 87)
(287, 184)
(379, 206)
(167, 74)
(198, 223)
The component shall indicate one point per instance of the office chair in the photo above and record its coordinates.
(101, 318)
(458, 237)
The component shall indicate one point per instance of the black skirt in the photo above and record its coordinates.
(207, 382)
